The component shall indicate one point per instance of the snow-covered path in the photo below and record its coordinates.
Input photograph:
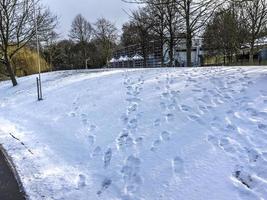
(149, 134)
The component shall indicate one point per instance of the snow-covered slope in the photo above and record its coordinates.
(150, 134)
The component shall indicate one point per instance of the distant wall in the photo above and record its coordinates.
(263, 54)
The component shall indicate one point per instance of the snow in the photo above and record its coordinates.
(113, 60)
(137, 57)
(123, 58)
(261, 41)
(146, 134)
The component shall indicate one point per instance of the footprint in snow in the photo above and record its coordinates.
(173, 105)
(253, 155)
(157, 122)
(263, 93)
(84, 116)
(194, 118)
(124, 141)
(165, 94)
(131, 175)
(231, 127)
(133, 100)
(165, 136)
(132, 124)
(227, 144)
(244, 177)
(168, 87)
(169, 117)
(129, 87)
(213, 140)
(133, 162)
(85, 122)
(196, 90)
(92, 128)
(139, 141)
(97, 151)
(203, 109)
(81, 181)
(107, 158)
(105, 185)
(91, 140)
(175, 93)
(124, 118)
(155, 145)
(178, 165)
(163, 106)
(72, 114)
(132, 108)
(185, 108)
(262, 127)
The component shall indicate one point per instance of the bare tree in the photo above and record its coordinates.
(17, 28)
(50, 40)
(173, 25)
(255, 15)
(157, 14)
(81, 29)
(81, 32)
(224, 34)
(130, 34)
(166, 24)
(143, 24)
(195, 14)
(106, 34)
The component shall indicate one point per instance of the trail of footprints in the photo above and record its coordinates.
(169, 106)
(237, 142)
(129, 138)
(207, 100)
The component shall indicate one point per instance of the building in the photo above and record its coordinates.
(132, 56)
(180, 55)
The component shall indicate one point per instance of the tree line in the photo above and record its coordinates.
(89, 45)
(224, 25)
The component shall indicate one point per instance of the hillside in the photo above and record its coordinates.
(147, 134)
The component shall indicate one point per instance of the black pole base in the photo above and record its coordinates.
(39, 89)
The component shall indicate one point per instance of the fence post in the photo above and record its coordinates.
(38, 90)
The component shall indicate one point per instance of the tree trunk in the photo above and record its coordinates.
(251, 54)
(162, 49)
(171, 45)
(188, 36)
(188, 50)
(144, 55)
(171, 52)
(10, 71)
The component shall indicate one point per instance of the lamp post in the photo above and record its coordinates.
(39, 82)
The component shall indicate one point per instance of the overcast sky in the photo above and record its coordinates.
(90, 9)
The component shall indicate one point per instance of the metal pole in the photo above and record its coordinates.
(38, 50)
(38, 94)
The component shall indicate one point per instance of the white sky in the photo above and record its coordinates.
(66, 10)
